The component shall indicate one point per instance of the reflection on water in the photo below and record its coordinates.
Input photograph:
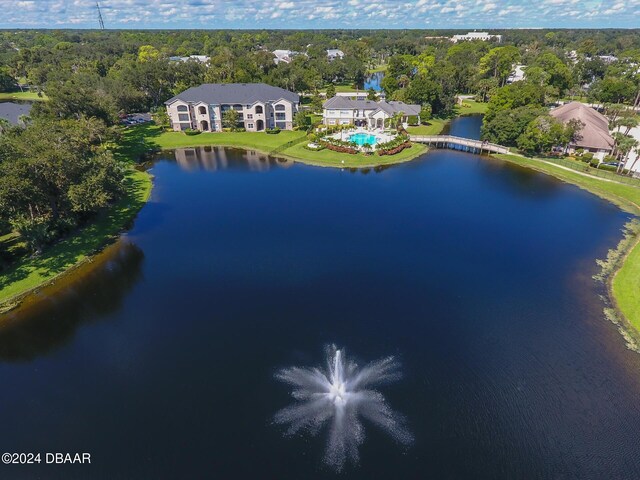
(49, 319)
(222, 158)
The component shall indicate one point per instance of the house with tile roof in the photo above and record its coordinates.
(594, 136)
(259, 106)
(365, 113)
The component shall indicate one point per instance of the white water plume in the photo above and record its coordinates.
(342, 395)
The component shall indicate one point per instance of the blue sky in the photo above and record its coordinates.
(296, 14)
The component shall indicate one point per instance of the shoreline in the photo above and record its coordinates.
(35, 273)
(622, 315)
(621, 305)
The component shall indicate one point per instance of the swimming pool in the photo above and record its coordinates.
(361, 138)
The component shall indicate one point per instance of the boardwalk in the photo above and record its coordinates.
(459, 143)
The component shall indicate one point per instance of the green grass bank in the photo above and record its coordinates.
(288, 144)
(29, 273)
(31, 96)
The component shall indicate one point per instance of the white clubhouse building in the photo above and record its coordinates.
(259, 106)
(365, 113)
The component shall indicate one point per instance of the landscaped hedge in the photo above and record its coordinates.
(339, 148)
(394, 150)
(273, 131)
(191, 132)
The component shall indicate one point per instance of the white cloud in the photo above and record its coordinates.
(321, 13)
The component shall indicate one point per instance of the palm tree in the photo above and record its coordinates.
(637, 152)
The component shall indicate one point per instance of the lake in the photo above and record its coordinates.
(159, 358)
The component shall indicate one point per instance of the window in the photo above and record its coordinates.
(249, 116)
(281, 116)
(249, 125)
(183, 108)
(183, 117)
(332, 122)
(345, 112)
(259, 109)
(280, 108)
(185, 126)
(237, 107)
(202, 110)
(332, 112)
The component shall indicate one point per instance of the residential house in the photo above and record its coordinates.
(334, 53)
(283, 56)
(594, 136)
(259, 106)
(471, 36)
(195, 58)
(365, 113)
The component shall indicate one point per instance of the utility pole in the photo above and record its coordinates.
(100, 16)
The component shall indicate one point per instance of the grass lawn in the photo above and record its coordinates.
(470, 107)
(378, 68)
(625, 284)
(32, 272)
(142, 138)
(33, 96)
(434, 127)
(329, 158)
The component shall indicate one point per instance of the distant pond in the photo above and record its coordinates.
(373, 80)
(160, 358)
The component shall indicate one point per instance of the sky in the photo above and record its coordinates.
(304, 14)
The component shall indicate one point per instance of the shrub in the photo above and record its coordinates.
(191, 132)
(587, 157)
(239, 129)
(608, 168)
(579, 152)
(273, 131)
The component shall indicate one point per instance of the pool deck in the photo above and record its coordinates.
(380, 135)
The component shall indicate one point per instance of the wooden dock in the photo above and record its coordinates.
(459, 143)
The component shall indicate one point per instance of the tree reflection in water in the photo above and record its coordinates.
(48, 319)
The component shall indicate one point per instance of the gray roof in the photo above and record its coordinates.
(390, 108)
(12, 111)
(230, 93)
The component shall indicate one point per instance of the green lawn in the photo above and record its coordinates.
(434, 127)
(142, 138)
(379, 68)
(32, 272)
(22, 96)
(329, 158)
(470, 107)
(625, 284)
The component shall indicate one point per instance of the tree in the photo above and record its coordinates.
(559, 75)
(301, 120)
(331, 90)
(507, 125)
(46, 191)
(425, 113)
(148, 52)
(542, 134)
(371, 94)
(499, 62)
(518, 94)
(230, 119)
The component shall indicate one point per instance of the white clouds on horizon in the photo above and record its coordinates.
(296, 14)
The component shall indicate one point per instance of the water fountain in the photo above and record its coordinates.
(342, 395)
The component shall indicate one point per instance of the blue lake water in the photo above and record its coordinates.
(160, 358)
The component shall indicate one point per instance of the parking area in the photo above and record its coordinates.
(136, 118)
